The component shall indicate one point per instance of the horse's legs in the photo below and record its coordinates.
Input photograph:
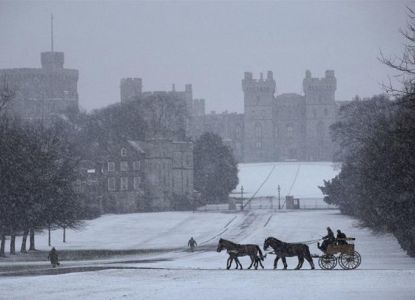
(300, 262)
(256, 262)
(259, 260)
(238, 262)
(310, 260)
(252, 261)
(284, 261)
(229, 262)
(276, 261)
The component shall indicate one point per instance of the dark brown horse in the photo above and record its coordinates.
(233, 256)
(236, 250)
(284, 250)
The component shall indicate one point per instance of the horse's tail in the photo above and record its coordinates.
(260, 253)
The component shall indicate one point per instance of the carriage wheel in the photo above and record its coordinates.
(327, 262)
(350, 261)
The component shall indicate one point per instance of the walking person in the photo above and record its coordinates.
(53, 257)
(192, 244)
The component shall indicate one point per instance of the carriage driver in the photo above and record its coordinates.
(327, 240)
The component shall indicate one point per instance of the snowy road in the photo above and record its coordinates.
(174, 273)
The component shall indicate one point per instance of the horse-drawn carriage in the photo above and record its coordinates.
(348, 259)
(342, 251)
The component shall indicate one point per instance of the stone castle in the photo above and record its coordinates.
(43, 92)
(276, 128)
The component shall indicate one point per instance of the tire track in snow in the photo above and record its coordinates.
(269, 219)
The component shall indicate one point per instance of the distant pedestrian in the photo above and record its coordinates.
(53, 257)
(192, 244)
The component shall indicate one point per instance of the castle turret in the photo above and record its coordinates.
(318, 90)
(130, 89)
(52, 60)
(320, 114)
(258, 118)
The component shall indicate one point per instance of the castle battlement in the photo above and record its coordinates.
(328, 82)
(250, 84)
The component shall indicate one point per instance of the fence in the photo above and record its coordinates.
(267, 203)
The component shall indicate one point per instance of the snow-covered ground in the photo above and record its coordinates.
(299, 179)
(385, 273)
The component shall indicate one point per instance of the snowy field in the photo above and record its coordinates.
(299, 179)
(385, 273)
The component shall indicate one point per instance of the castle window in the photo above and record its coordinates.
(290, 131)
(326, 112)
(136, 165)
(258, 135)
(136, 183)
(238, 132)
(314, 113)
(124, 184)
(111, 166)
(111, 184)
(124, 166)
(123, 152)
(320, 131)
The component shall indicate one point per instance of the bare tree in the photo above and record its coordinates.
(404, 64)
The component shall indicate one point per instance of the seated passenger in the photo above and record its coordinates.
(327, 240)
(341, 238)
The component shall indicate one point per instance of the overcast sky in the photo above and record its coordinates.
(209, 44)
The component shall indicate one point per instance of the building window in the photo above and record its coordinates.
(258, 135)
(123, 152)
(124, 184)
(326, 112)
(111, 184)
(290, 131)
(188, 160)
(124, 166)
(111, 166)
(320, 132)
(136, 165)
(136, 183)
(238, 132)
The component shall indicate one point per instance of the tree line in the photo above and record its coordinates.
(39, 163)
(38, 166)
(376, 139)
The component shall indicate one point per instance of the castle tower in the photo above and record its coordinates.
(130, 89)
(258, 117)
(320, 114)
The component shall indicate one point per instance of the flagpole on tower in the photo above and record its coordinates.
(51, 32)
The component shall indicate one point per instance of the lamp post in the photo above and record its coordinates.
(279, 197)
(242, 197)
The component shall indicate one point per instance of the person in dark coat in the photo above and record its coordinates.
(341, 238)
(53, 257)
(327, 240)
(192, 244)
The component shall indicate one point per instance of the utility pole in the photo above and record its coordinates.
(279, 197)
(242, 197)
